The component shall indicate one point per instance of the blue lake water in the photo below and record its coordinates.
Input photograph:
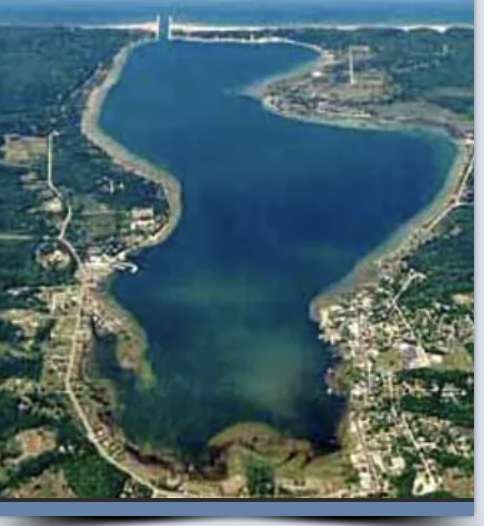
(274, 212)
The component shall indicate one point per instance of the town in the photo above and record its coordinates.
(396, 357)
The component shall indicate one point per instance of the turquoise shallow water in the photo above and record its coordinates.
(274, 212)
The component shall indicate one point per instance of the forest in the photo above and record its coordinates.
(447, 262)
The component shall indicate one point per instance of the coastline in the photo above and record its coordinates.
(365, 270)
(406, 239)
(139, 167)
(409, 26)
(398, 242)
(120, 155)
(256, 42)
(254, 89)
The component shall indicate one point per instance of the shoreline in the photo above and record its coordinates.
(398, 242)
(359, 276)
(401, 242)
(120, 155)
(127, 160)
(403, 26)
(256, 42)
(254, 89)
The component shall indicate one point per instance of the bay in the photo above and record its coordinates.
(275, 211)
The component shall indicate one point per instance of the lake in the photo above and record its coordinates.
(275, 211)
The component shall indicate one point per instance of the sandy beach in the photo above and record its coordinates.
(121, 155)
(246, 42)
(141, 168)
(150, 27)
(206, 28)
(400, 242)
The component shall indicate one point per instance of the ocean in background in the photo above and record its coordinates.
(238, 11)
(275, 211)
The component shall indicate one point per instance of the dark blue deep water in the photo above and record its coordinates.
(274, 211)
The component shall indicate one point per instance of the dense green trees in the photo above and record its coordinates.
(457, 408)
(41, 68)
(91, 477)
(260, 480)
(17, 204)
(19, 269)
(9, 332)
(447, 261)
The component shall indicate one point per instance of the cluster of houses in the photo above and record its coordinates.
(378, 338)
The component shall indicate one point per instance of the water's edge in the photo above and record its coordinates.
(119, 154)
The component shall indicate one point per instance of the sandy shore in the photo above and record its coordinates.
(147, 27)
(202, 28)
(246, 42)
(139, 167)
(400, 242)
(255, 89)
(121, 155)
(366, 270)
